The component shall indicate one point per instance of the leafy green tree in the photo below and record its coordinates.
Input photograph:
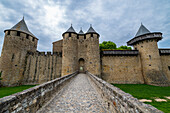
(112, 45)
(124, 48)
(107, 45)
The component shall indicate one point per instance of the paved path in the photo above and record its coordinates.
(78, 97)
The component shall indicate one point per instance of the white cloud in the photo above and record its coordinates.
(115, 20)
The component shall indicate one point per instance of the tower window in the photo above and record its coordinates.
(149, 64)
(69, 34)
(150, 57)
(27, 36)
(12, 59)
(84, 36)
(8, 32)
(91, 34)
(18, 33)
(169, 68)
(33, 39)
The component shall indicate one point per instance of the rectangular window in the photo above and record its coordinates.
(8, 32)
(27, 36)
(33, 39)
(91, 34)
(12, 59)
(69, 34)
(169, 68)
(18, 33)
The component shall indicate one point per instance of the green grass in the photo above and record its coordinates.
(143, 91)
(6, 91)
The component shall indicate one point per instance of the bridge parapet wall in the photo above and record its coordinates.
(32, 99)
(118, 101)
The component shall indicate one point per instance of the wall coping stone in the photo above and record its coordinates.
(40, 92)
(116, 93)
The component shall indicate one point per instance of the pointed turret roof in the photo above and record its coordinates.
(71, 30)
(91, 30)
(21, 26)
(142, 30)
(81, 31)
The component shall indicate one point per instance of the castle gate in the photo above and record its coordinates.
(81, 65)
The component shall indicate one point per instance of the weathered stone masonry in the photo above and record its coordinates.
(32, 99)
(41, 67)
(21, 63)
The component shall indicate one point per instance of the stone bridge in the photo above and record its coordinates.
(74, 93)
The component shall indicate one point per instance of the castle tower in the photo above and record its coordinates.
(93, 52)
(17, 41)
(69, 53)
(146, 42)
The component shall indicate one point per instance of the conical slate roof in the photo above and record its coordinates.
(71, 30)
(81, 31)
(91, 30)
(21, 26)
(142, 30)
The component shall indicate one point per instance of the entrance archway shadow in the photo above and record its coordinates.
(81, 65)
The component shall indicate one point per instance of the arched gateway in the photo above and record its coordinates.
(81, 65)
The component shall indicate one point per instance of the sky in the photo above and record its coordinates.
(114, 20)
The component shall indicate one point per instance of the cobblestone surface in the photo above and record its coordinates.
(78, 97)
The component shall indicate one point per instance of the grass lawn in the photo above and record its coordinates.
(6, 91)
(143, 91)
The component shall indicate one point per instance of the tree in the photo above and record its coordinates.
(107, 45)
(124, 48)
(112, 45)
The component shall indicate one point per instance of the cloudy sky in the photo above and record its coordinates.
(114, 20)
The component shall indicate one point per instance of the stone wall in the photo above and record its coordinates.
(32, 99)
(122, 69)
(13, 56)
(118, 101)
(165, 59)
(58, 46)
(41, 67)
(151, 62)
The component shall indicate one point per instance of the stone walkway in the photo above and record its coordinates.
(78, 97)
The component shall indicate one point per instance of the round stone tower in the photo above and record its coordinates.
(93, 52)
(69, 53)
(17, 42)
(146, 42)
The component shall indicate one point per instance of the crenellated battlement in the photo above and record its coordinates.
(22, 35)
(48, 53)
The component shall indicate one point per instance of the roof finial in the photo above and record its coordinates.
(71, 24)
(141, 23)
(80, 28)
(90, 25)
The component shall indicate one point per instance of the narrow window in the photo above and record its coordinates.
(69, 34)
(8, 32)
(27, 36)
(18, 33)
(84, 36)
(33, 39)
(169, 68)
(150, 57)
(91, 34)
(12, 59)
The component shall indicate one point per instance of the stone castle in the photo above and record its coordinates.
(22, 64)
